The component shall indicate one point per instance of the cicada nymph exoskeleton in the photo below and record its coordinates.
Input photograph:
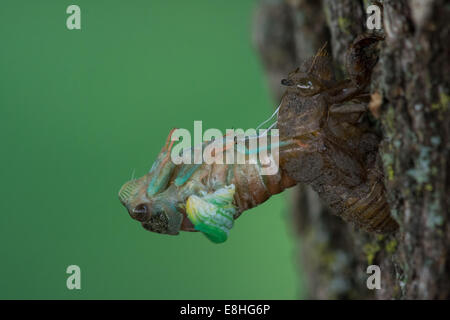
(336, 151)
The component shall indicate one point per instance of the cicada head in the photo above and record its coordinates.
(304, 83)
(157, 213)
(152, 202)
(313, 76)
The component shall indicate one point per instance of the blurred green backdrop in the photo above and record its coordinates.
(81, 109)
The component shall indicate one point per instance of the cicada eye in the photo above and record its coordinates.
(306, 84)
(140, 210)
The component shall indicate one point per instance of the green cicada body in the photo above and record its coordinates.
(198, 197)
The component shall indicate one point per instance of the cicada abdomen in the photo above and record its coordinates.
(336, 151)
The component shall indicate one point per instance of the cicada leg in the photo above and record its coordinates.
(162, 168)
(344, 91)
(360, 60)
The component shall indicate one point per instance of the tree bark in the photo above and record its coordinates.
(410, 98)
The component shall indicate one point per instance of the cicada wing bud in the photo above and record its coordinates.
(162, 168)
(213, 214)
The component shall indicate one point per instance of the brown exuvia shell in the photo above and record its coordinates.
(337, 151)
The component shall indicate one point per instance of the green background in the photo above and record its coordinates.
(82, 109)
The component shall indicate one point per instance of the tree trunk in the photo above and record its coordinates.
(410, 98)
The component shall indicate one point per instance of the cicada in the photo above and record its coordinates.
(323, 142)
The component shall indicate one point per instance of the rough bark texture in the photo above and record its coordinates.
(410, 97)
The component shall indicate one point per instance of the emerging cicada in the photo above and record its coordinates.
(198, 197)
(323, 142)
